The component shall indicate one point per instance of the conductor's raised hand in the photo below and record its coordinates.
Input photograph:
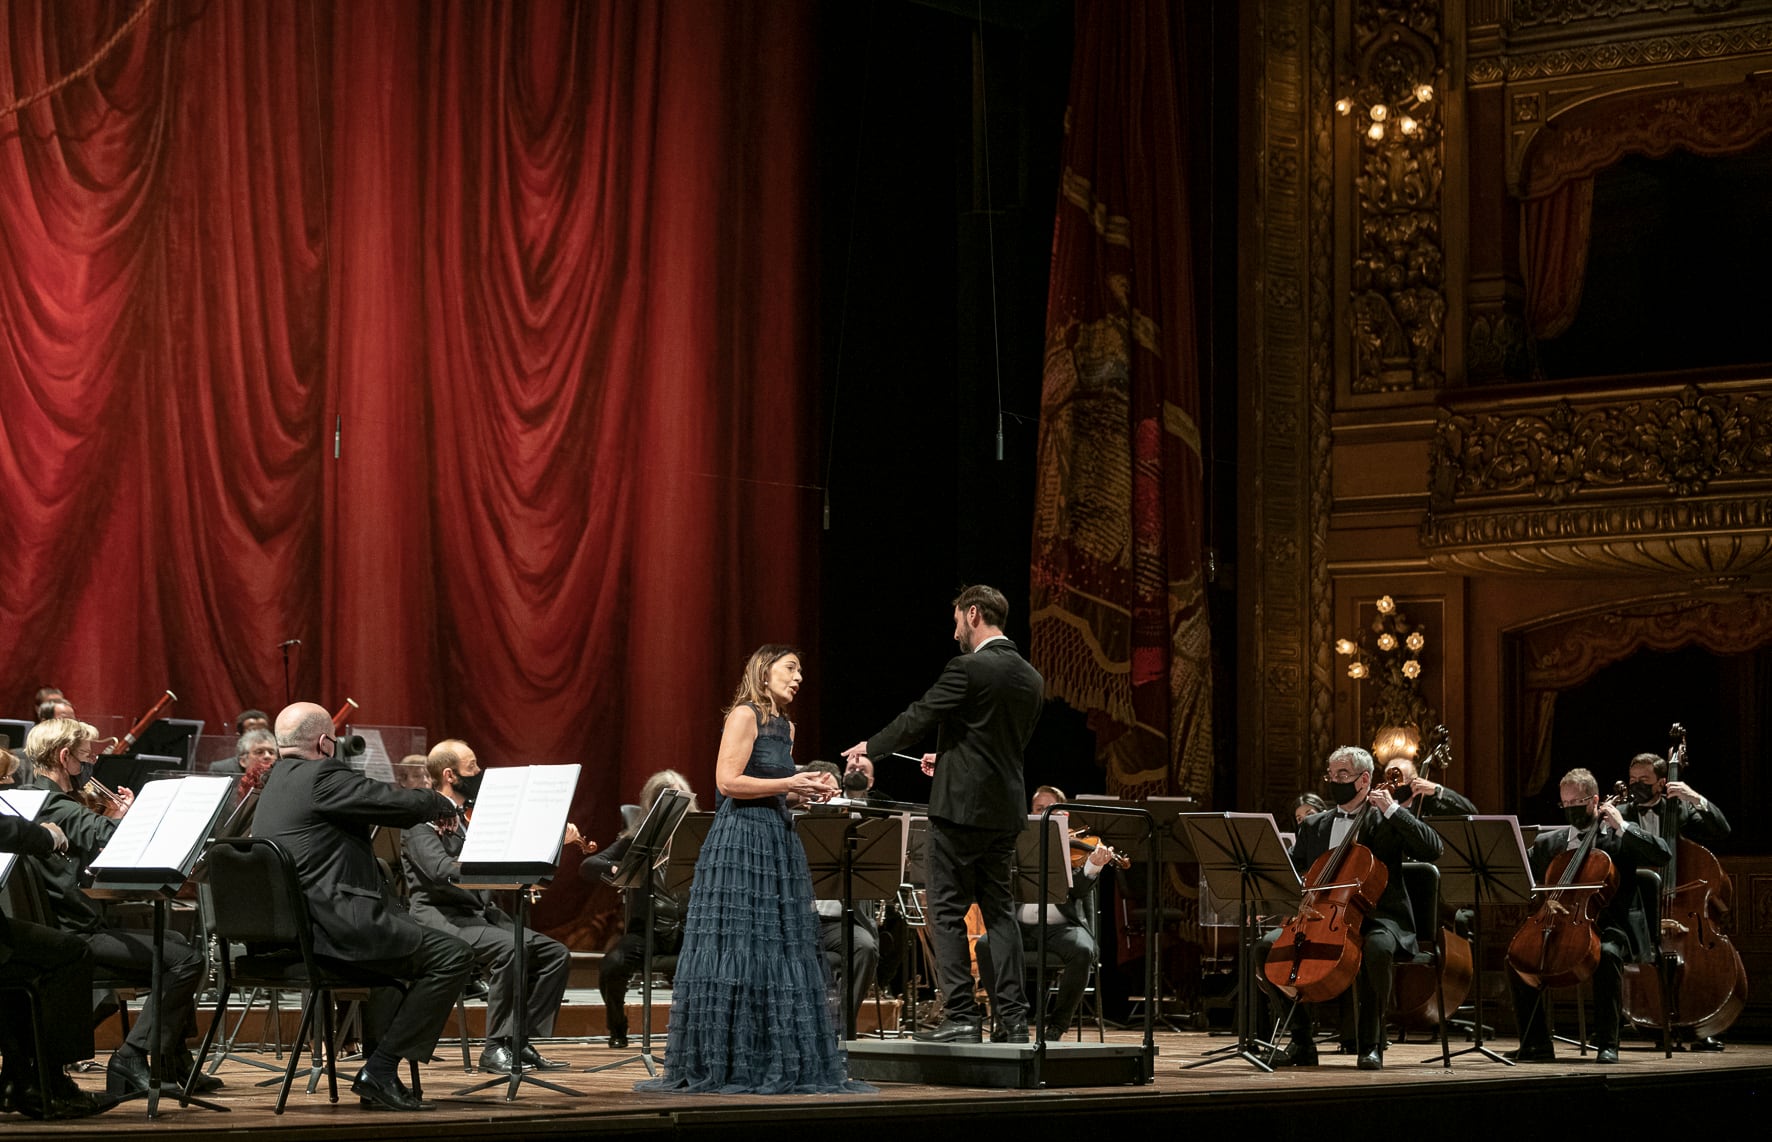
(928, 765)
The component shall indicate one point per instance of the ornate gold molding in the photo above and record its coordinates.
(1399, 303)
(1621, 55)
(1678, 483)
(1541, 13)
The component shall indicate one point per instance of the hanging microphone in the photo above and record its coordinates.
(289, 642)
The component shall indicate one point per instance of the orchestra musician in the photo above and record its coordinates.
(1655, 801)
(322, 813)
(1623, 925)
(1426, 798)
(431, 855)
(56, 707)
(58, 965)
(1070, 938)
(1304, 805)
(984, 706)
(622, 961)
(1396, 836)
(61, 750)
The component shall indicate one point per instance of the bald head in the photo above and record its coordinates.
(300, 728)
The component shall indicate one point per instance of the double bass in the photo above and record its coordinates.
(1318, 951)
(1702, 968)
(1559, 944)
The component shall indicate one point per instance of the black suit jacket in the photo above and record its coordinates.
(1705, 826)
(986, 705)
(1630, 850)
(1445, 803)
(321, 812)
(88, 833)
(18, 835)
(1393, 840)
(432, 861)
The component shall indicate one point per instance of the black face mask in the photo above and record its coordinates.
(1578, 815)
(1341, 792)
(468, 787)
(1643, 792)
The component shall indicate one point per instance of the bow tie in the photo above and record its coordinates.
(1344, 815)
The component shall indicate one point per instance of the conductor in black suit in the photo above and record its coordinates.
(1394, 837)
(323, 814)
(1623, 925)
(984, 708)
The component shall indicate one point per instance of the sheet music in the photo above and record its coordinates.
(520, 815)
(26, 803)
(375, 763)
(166, 825)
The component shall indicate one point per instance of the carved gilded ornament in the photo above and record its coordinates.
(1648, 51)
(1539, 13)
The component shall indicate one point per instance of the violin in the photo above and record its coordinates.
(1083, 845)
(101, 800)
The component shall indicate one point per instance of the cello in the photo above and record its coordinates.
(1700, 966)
(1559, 944)
(1318, 951)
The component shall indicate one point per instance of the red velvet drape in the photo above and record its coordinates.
(538, 270)
(1118, 603)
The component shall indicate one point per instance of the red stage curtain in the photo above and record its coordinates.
(545, 264)
(1556, 237)
(1118, 607)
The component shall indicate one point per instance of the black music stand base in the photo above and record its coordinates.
(520, 1035)
(156, 1057)
(645, 1057)
(1477, 1047)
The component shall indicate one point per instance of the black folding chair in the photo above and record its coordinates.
(259, 903)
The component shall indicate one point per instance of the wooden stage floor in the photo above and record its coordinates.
(1476, 1099)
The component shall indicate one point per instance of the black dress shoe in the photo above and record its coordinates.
(496, 1058)
(1300, 1053)
(126, 1073)
(953, 1031)
(1708, 1043)
(536, 1060)
(618, 1040)
(1009, 1033)
(1544, 1054)
(182, 1066)
(1372, 1060)
(476, 989)
(1606, 1055)
(378, 1095)
(1055, 1031)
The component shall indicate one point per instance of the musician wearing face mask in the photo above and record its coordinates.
(431, 854)
(1655, 802)
(1623, 926)
(61, 749)
(1394, 835)
(1426, 798)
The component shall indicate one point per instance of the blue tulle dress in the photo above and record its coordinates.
(750, 1004)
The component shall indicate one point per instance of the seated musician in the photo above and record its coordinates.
(248, 720)
(622, 961)
(1394, 837)
(1624, 929)
(1070, 936)
(865, 935)
(431, 854)
(57, 707)
(1426, 798)
(60, 749)
(1655, 802)
(1304, 805)
(58, 966)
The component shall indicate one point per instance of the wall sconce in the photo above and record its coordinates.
(1390, 90)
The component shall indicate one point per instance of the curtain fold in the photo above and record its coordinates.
(537, 271)
(1118, 592)
(1556, 234)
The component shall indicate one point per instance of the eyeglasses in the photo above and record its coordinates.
(1574, 804)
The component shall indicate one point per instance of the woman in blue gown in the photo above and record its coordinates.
(750, 1005)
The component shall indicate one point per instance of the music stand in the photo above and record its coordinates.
(151, 862)
(519, 805)
(1241, 858)
(1483, 861)
(651, 848)
(862, 847)
(1166, 843)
